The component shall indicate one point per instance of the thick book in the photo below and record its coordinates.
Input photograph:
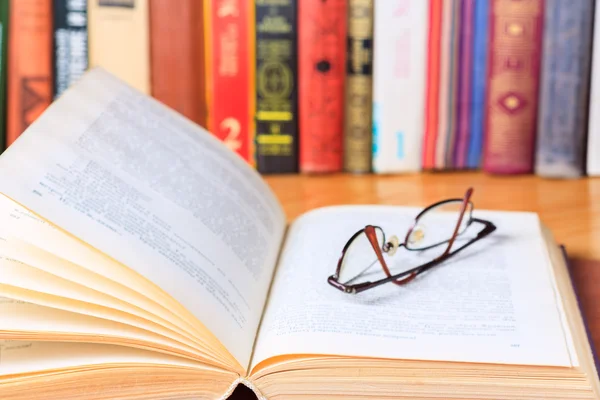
(177, 67)
(163, 266)
(399, 85)
(478, 83)
(276, 86)
(4, 20)
(70, 40)
(321, 74)
(564, 88)
(514, 52)
(229, 58)
(432, 87)
(358, 96)
(119, 39)
(29, 70)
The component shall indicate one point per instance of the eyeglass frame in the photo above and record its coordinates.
(412, 273)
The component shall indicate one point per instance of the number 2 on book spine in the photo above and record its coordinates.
(230, 129)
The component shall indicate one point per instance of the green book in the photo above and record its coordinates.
(3, 70)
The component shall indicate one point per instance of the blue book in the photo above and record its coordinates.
(564, 88)
(478, 83)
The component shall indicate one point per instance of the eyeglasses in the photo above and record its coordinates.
(436, 233)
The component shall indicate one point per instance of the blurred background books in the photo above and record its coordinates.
(313, 86)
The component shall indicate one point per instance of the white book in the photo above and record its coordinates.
(593, 145)
(399, 79)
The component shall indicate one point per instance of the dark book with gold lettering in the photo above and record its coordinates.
(276, 106)
(70, 54)
(162, 266)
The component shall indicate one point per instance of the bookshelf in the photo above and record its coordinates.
(570, 208)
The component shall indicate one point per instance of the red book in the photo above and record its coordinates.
(230, 74)
(29, 64)
(177, 57)
(321, 73)
(513, 79)
(433, 80)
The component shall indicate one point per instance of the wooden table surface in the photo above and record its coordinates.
(570, 208)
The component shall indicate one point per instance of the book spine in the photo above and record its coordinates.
(358, 93)
(4, 22)
(463, 103)
(229, 110)
(564, 88)
(276, 87)
(448, 77)
(177, 57)
(321, 69)
(399, 74)
(433, 83)
(478, 82)
(29, 64)
(513, 80)
(70, 53)
(119, 40)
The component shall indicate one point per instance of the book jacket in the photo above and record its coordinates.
(276, 87)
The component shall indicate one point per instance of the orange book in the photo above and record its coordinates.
(29, 64)
(177, 57)
(433, 81)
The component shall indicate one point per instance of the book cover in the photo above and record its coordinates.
(228, 66)
(432, 83)
(29, 64)
(70, 53)
(276, 87)
(564, 88)
(478, 82)
(4, 20)
(119, 40)
(463, 95)
(399, 84)
(321, 69)
(515, 47)
(358, 108)
(177, 70)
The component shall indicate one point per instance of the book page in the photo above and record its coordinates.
(493, 302)
(21, 357)
(152, 190)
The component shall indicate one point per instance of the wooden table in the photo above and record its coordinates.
(570, 208)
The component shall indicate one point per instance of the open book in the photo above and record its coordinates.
(140, 258)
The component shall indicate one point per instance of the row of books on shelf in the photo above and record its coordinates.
(327, 86)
